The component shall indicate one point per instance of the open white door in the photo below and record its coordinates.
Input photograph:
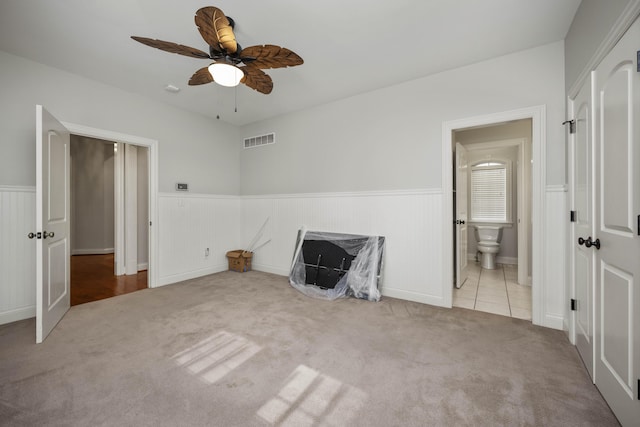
(617, 243)
(461, 215)
(52, 222)
(582, 225)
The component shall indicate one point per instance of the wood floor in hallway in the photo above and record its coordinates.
(92, 279)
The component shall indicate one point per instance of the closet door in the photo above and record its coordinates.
(617, 239)
(582, 226)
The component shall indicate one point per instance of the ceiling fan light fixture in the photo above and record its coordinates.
(225, 74)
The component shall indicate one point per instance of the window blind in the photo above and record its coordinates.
(489, 194)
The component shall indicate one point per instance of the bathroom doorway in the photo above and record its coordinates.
(497, 190)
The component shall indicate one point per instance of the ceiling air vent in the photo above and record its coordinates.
(257, 141)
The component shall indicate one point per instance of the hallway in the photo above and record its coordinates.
(92, 279)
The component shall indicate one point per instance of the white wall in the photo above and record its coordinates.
(368, 164)
(92, 203)
(390, 141)
(512, 130)
(555, 258)
(17, 253)
(192, 148)
(191, 223)
(391, 138)
(409, 220)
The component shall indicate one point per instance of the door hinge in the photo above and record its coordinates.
(638, 225)
(574, 304)
(150, 224)
(572, 125)
(639, 389)
(572, 216)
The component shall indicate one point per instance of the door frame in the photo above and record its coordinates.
(537, 114)
(152, 145)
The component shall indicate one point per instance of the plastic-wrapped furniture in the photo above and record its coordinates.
(332, 265)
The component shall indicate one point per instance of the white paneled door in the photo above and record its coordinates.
(52, 222)
(582, 194)
(461, 215)
(617, 239)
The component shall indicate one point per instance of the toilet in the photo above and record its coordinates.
(488, 238)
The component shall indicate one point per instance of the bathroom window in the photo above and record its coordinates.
(490, 192)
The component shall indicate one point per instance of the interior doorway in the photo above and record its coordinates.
(493, 175)
(537, 115)
(109, 218)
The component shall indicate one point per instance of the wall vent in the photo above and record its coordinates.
(257, 141)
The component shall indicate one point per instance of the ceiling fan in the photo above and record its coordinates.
(231, 63)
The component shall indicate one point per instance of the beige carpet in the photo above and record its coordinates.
(246, 349)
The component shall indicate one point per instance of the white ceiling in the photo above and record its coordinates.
(349, 47)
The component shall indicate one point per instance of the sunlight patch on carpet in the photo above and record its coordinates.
(310, 398)
(214, 357)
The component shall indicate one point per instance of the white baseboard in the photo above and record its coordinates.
(143, 266)
(385, 291)
(553, 321)
(175, 278)
(18, 314)
(270, 269)
(103, 251)
(412, 296)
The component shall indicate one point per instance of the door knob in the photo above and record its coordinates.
(588, 243)
(49, 234)
(581, 241)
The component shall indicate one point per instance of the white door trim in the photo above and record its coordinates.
(152, 144)
(537, 114)
(118, 191)
(131, 209)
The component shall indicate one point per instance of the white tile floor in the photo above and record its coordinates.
(494, 291)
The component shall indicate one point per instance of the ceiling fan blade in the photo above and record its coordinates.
(172, 47)
(201, 77)
(256, 79)
(270, 56)
(216, 29)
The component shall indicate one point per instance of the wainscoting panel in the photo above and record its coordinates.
(189, 225)
(17, 253)
(555, 257)
(409, 220)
